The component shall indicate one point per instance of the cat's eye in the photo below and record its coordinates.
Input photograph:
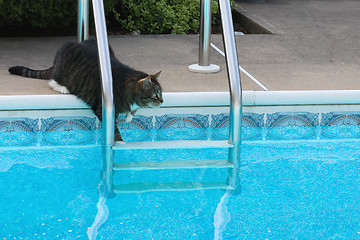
(149, 97)
(154, 96)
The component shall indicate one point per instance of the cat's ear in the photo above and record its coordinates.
(145, 82)
(157, 75)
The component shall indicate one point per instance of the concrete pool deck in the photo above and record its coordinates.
(314, 45)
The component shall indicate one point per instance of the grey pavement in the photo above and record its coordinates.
(314, 45)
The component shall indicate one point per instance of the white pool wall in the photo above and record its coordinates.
(194, 99)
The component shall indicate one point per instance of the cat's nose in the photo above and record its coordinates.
(161, 100)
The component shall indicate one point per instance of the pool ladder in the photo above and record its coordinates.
(108, 147)
(172, 164)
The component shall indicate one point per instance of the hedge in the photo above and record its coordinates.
(38, 13)
(149, 17)
(160, 16)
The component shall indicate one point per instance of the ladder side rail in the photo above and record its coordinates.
(108, 110)
(83, 20)
(234, 88)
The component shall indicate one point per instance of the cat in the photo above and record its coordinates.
(76, 71)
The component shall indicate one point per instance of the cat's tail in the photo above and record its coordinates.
(31, 73)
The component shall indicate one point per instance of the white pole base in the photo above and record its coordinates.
(204, 69)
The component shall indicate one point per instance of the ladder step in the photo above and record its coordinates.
(152, 165)
(142, 187)
(172, 144)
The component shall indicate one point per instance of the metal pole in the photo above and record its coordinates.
(204, 65)
(83, 20)
(205, 32)
(234, 86)
(108, 115)
(233, 72)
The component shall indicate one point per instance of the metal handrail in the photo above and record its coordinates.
(108, 109)
(107, 93)
(235, 90)
(205, 32)
(204, 66)
(83, 20)
(231, 60)
(106, 76)
(233, 72)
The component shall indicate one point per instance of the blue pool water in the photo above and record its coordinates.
(290, 189)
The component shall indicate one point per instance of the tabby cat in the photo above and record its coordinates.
(76, 71)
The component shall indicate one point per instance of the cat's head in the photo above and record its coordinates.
(149, 91)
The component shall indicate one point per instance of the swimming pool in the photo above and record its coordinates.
(299, 176)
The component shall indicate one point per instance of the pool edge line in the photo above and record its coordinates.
(193, 99)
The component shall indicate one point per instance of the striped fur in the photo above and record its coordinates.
(30, 73)
(76, 67)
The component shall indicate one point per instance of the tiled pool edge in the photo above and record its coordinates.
(260, 123)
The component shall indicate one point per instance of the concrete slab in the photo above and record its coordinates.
(37, 53)
(314, 45)
(172, 54)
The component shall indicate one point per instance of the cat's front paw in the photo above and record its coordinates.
(128, 117)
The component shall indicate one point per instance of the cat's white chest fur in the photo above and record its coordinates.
(132, 112)
(57, 87)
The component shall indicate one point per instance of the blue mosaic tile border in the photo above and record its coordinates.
(292, 126)
(140, 128)
(18, 132)
(340, 125)
(48, 131)
(275, 126)
(252, 124)
(181, 127)
(68, 131)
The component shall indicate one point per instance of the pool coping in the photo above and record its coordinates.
(193, 99)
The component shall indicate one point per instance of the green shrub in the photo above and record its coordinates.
(43, 16)
(39, 13)
(60, 16)
(160, 16)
